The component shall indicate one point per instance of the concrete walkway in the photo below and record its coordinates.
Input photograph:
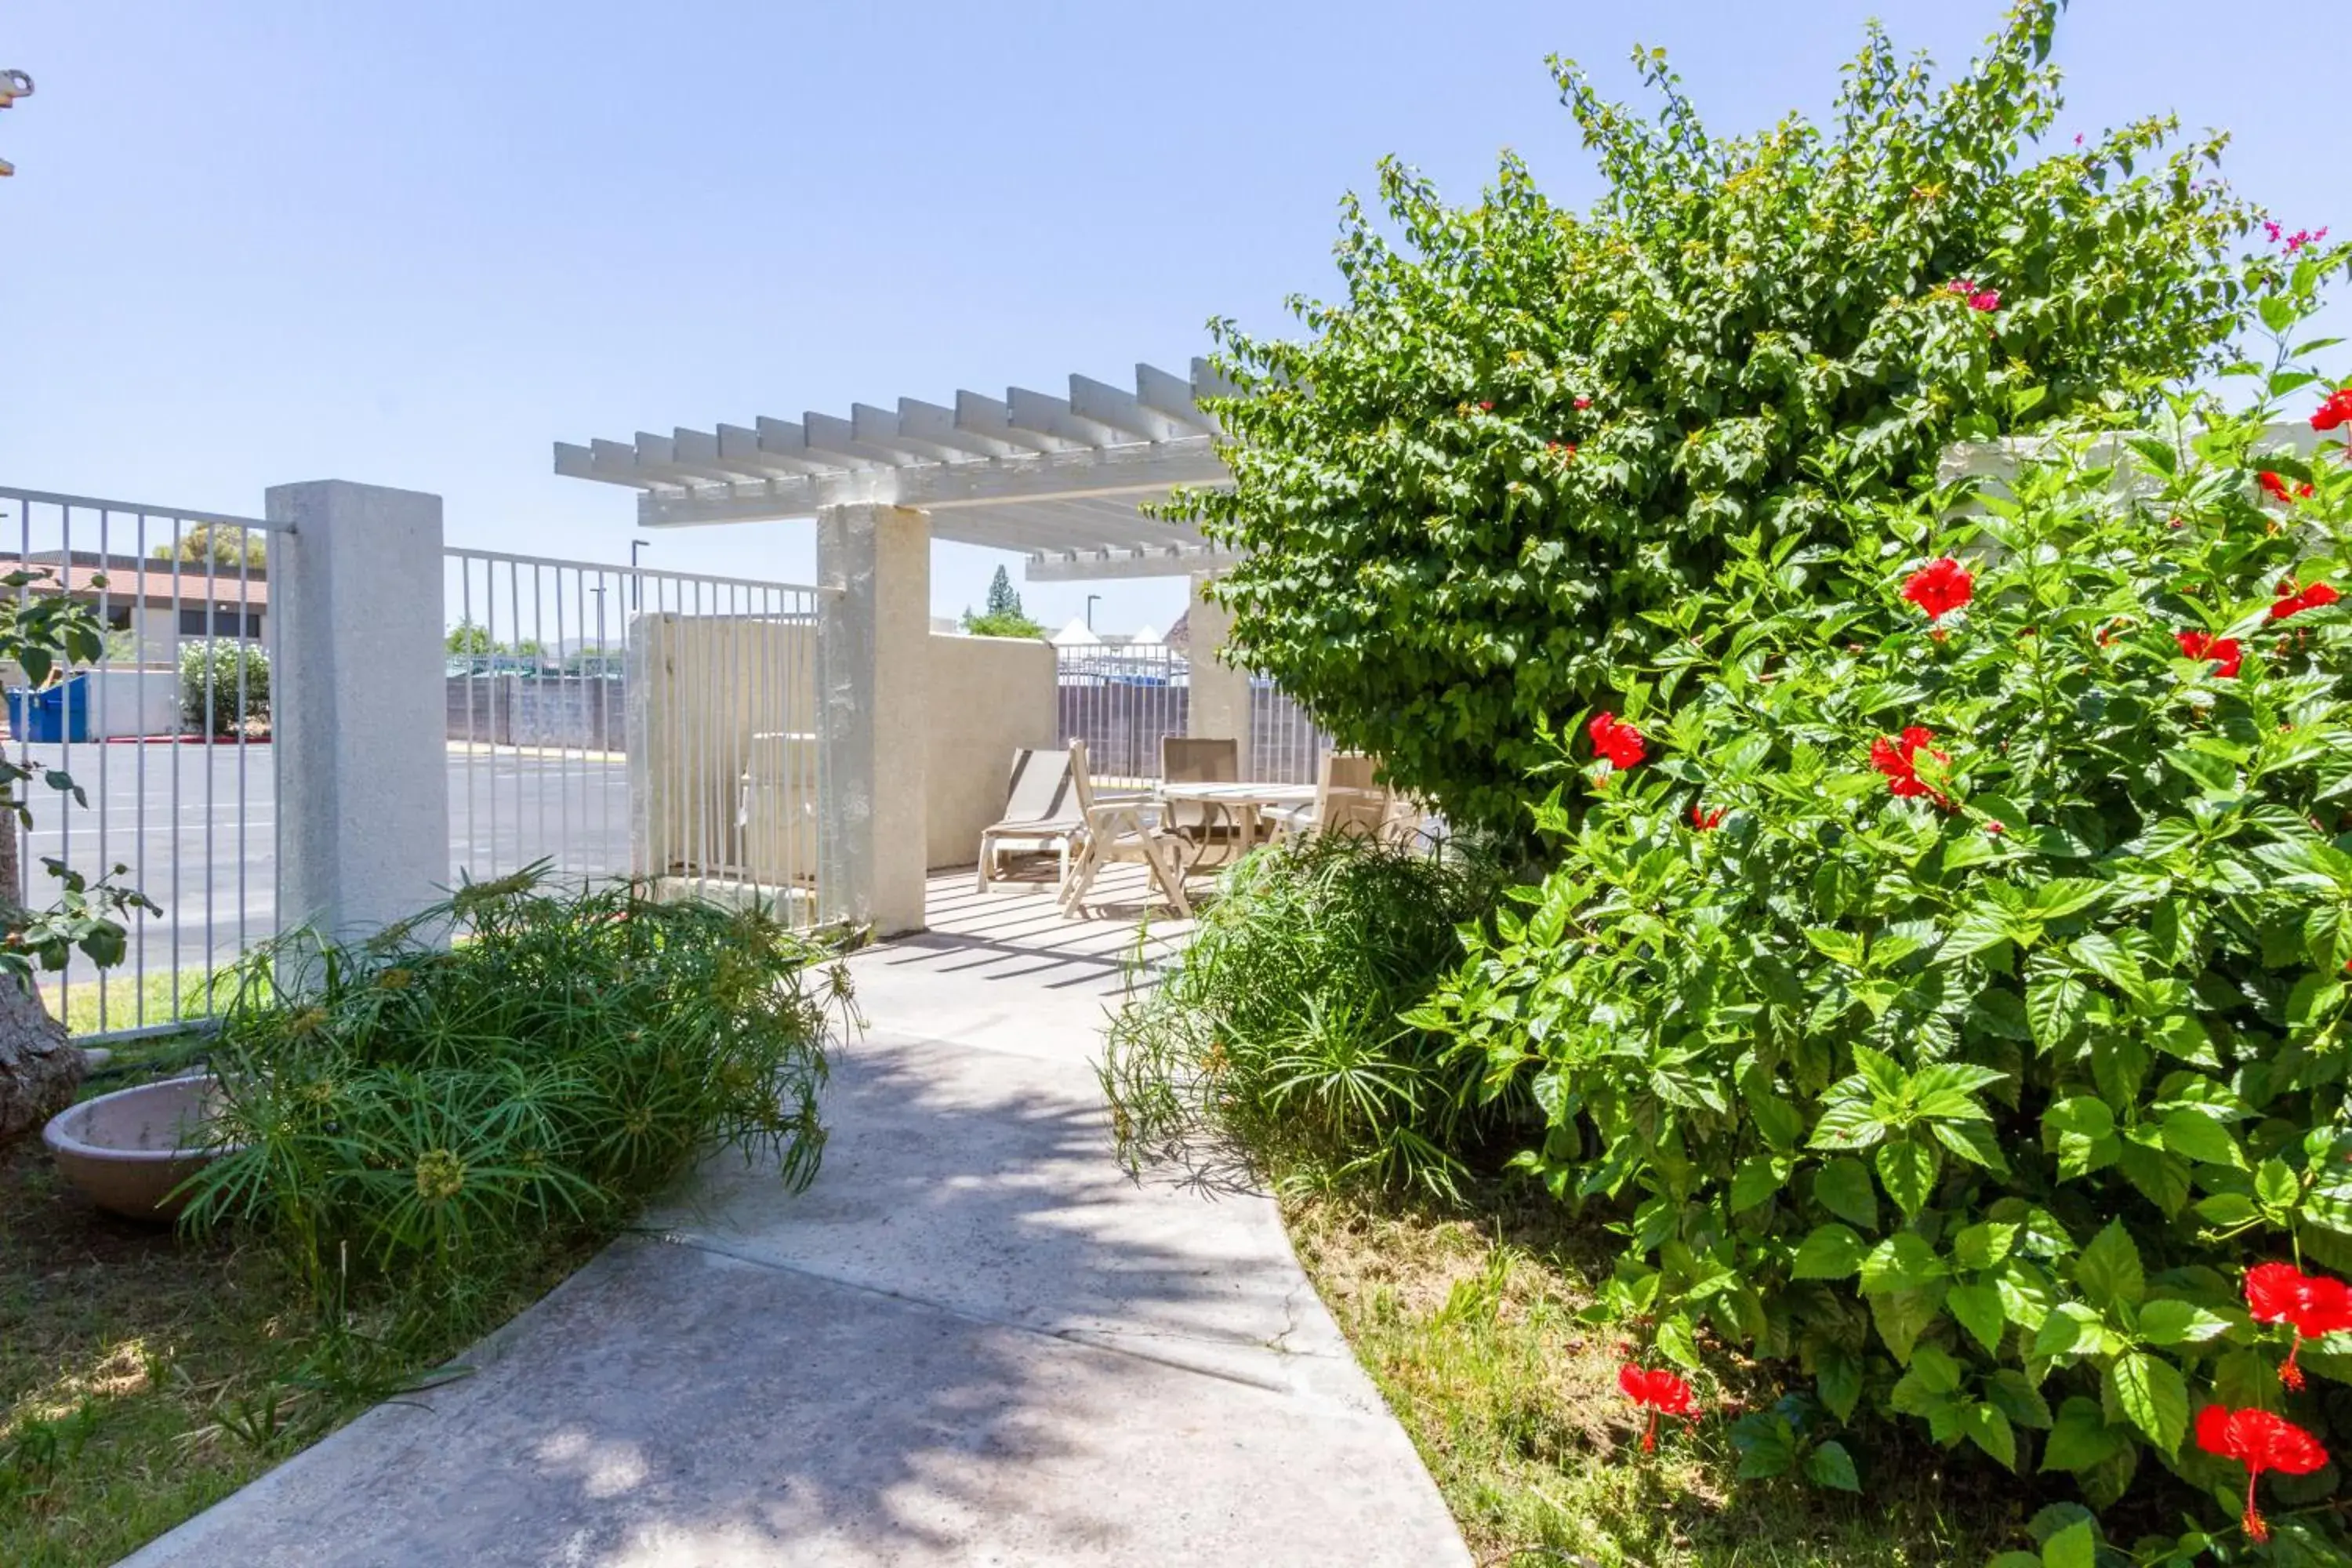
(974, 1341)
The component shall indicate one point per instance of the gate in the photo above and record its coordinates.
(611, 720)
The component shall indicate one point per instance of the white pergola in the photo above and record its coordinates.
(1061, 480)
(1058, 479)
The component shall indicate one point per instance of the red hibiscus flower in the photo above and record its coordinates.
(2312, 1304)
(2336, 412)
(2223, 651)
(2291, 601)
(1939, 587)
(1486, 408)
(2277, 488)
(1615, 742)
(1661, 1393)
(2260, 1441)
(1564, 451)
(1899, 760)
(1706, 821)
(1583, 403)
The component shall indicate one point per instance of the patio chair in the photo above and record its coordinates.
(1198, 828)
(1044, 814)
(1348, 798)
(1123, 830)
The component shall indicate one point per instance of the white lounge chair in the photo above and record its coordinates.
(1044, 814)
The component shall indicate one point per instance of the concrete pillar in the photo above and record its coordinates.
(358, 704)
(874, 634)
(1219, 706)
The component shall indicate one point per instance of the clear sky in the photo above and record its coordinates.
(414, 242)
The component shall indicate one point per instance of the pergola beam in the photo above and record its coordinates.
(1059, 478)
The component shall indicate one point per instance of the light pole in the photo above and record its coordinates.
(1090, 610)
(635, 597)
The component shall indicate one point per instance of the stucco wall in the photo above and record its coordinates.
(987, 696)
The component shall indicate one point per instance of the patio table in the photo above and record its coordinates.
(1242, 803)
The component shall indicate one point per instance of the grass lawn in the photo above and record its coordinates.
(143, 1376)
(131, 1001)
(1470, 1330)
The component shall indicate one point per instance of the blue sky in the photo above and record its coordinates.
(413, 244)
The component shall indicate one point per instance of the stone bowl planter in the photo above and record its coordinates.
(130, 1149)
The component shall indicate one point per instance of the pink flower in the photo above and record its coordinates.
(1582, 403)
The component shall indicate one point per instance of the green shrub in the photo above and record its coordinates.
(1956, 1010)
(428, 1112)
(1523, 431)
(1277, 1037)
(223, 682)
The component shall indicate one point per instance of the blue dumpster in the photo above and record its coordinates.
(52, 715)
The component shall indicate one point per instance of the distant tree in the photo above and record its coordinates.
(1002, 599)
(1005, 618)
(465, 637)
(223, 544)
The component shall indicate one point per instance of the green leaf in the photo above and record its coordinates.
(1948, 1090)
(2276, 1186)
(1933, 1375)
(1828, 1465)
(1758, 1177)
(1837, 1376)
(2069, 1328)
(1842, 1187)
(2109, 1271)
(1831, 1252)
(1983, 1245)
(2150, 1390)
(1902, 1316)
(2018, 1398)
(1977, 1308)
(2173, 1323)
(2105, 957)
(2194, 1135)
(1767, 1444)
(2081, 1130)
(1908, 1170)
(2077, 1546)
(2057, 1004)
(1988, 1430)
(1903, 1261)
(2082, 1437)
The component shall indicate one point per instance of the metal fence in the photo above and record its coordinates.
(1122, 700)
(1286, 746)
(1119, 701)
(167, 738)
(611, 720)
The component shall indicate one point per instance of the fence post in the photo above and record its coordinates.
(360, 703)
(1219, 705)
(874, 637)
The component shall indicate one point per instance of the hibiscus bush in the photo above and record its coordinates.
(1943, 986)
(1523, 432)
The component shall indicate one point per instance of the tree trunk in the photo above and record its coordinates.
(39, 1068)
